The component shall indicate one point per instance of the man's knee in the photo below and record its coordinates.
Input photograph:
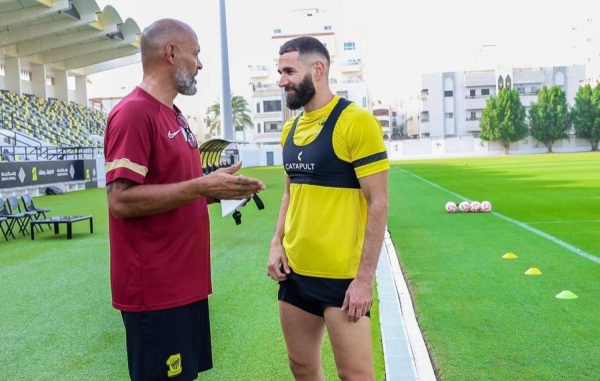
(356, 374)
(304, 368)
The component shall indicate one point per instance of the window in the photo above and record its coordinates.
(472, 93)
(349, 45)
(258, 127)
(343, 94)
(448, 93)
(1, 69)
(485, 91)
(277, 31)
(364, 102)
(25, 75)
(50, 81)
(273, 127)
(473, 116)
(271, 106)
(258, 108)
(449, 115)
(327, 27)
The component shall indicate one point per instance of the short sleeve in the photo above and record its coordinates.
(128, 143)
(361, 142)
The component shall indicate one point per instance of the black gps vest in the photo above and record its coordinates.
(316, 163)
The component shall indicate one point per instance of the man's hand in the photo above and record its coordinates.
(223, 184)
(277, 258)
(358, 300)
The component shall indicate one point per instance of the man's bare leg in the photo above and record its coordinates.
(351, 344)
(303, 333)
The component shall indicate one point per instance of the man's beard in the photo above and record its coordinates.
(185, 82)
(302, 94)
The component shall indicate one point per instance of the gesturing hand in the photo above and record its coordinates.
(225, 185)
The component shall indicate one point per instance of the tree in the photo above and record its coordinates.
(549, 118)
(397, 132)
(503, 119)
(586, 114)
(239, 109)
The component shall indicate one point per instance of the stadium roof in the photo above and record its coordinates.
(72, 35)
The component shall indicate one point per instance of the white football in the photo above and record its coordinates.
(475, 206)
(450, 207)
(486, 206)
(464, 206)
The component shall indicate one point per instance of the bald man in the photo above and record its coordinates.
(158, 217)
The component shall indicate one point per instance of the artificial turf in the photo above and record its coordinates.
(56, 319)
(481, 315)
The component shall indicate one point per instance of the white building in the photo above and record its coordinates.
(386, 117)
(452, 102)
(346, 73)
(586, 48)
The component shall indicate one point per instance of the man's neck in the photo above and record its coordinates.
(161, 91)
(321, 99)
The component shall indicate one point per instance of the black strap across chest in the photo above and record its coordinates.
(316, 163)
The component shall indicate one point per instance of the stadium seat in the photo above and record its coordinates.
(53, 121)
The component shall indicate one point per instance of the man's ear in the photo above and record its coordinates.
(170, 53)
(318, 70)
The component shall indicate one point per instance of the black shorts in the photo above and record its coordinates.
(313, 294)
(172, 344)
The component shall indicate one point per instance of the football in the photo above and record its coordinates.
(450, 207)
(475, 206)
(464, 206)
(486, 206)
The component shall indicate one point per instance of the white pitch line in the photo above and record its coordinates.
(559, 242)
(560, 222)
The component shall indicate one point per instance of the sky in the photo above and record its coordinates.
(401, 39)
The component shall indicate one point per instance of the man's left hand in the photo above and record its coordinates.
(358, 300)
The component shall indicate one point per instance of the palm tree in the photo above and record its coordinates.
(239, 109)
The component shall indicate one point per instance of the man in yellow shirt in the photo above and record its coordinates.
(331, 221)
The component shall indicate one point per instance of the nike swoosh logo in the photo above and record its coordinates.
(173, 134)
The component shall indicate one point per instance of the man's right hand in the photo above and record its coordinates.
(277, 262)
(223, 184)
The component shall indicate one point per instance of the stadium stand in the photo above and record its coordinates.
(53, 121)
(50, 135)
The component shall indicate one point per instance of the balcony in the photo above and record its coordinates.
(528, 97)
(351, 66)
(426, 105)
(265, 90)
(271, 116)
(268, 137)
(472, 125)
(475, 103)
(258, 71)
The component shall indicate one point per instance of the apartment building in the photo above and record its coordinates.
(585, 37)
(267, 105)
(452, 102)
